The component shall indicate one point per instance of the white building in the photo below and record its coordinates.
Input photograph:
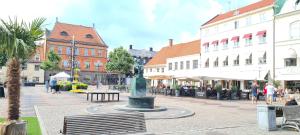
(237, 46)
(287, 41)
(179, 62)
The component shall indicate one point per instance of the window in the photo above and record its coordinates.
(150, 69)
(216, 62)
(99, 53)
(93, 52)
(195, 64)
(236, 62)
(36, 79)
(181, 65)
(162, 70)
(248, 21)
(262, 39)
(249, 60)
(64, 33)
(236, 24)
(170, 66)
(187, 66)
(216, 45)
(176, 65)
(263, 59)
(262, 17)
(207, 63)
(236, 44)
(206, 47)
(65, 64)
(157, 69)
(290, 62)
(59, 51)
(295, 30)
(225, 62)
(88, 36)
(36, 67)
(97, 64)
(87, 65)
(225, 43)
(68, 51)
(77, 51)
(248, 41)
(86, 52)
(24, 66)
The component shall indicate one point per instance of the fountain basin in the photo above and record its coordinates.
(141, 102)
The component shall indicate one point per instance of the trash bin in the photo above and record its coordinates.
(2, 94)
(266, 117)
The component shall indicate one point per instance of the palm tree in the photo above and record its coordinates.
(17, 41)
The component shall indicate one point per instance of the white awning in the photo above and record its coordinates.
(290, 53)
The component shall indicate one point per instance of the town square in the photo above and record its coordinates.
(215, 67)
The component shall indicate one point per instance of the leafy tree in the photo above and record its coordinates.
(120, 61)
(52, 62)
(17, 41)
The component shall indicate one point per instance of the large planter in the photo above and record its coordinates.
(13, 128)
(177, 93)
(219, 95)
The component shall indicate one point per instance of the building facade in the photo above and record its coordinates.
(237, 46)
(30, 71)
(287, 41)
(145, 55)
(90, 51)
(179, 62)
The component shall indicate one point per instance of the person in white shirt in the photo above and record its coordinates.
(270, 92)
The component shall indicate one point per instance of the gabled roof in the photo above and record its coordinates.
(242, 10)
(64, 31)
(177, 50)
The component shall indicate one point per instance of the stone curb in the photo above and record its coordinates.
(43, 129)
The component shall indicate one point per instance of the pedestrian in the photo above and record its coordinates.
(54, 85)
(254, 92)
(265, 92)
(47, 85)
(270, 92)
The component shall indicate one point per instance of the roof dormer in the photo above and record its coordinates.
(88, 36)
(64, 33)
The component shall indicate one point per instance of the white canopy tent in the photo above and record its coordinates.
(61, 76)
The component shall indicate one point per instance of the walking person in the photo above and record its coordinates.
(270, 92)
(47, 85)
(265, 92)
(254, 92)
(54, 85)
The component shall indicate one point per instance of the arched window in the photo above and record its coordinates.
(295, 30)
(64, 33)
(88, 36)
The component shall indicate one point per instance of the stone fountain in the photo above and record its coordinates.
(138, 99)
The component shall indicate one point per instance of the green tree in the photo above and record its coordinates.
(52, 62)
(120, 61)
(3, 59)
(17, 41)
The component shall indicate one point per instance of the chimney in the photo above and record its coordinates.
(170, 42)
(56, 19)
(151, 49)
(93, 25)
(130, 47)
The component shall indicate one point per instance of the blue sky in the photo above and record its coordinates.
(142, 23)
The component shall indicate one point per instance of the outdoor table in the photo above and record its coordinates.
(102, 93)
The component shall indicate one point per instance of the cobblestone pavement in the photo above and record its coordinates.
(211, 117)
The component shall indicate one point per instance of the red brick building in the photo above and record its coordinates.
(90, 50)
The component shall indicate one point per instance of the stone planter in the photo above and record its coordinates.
(13, 128)
(177, 93)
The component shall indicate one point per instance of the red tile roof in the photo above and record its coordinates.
(78, 31)
(242, 10)
(176, 50)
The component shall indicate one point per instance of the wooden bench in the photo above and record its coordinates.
(291, 115)
(102, 95)
(112, 123)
